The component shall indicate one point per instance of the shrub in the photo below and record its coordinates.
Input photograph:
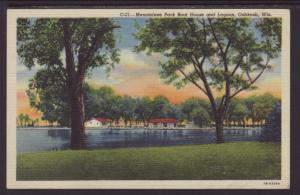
(272, 130)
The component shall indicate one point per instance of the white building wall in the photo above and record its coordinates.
(161, 125)
(93, 123)
(170, 125)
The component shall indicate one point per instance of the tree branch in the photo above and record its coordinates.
(82, 65)
(248, 75)
(222, 106)
(215, 36)
(197, 65)
(208, 89)
(195, 62)
(194, 32)
(236, 67)
(228, 45)
(253, 80)
(200, 66)
(221, 103)
(192, 80)
(68, 49)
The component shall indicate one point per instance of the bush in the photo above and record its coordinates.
(272, 130)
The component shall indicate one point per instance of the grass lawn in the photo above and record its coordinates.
(239, 160)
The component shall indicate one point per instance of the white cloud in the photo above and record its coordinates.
(131, 65)
(132, 60)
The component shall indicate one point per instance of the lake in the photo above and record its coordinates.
(48, 139)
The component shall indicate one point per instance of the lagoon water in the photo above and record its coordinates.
(49, 139)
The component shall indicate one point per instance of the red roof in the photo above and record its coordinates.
(103, 120)
(163, 120)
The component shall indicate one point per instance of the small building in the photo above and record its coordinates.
(163, 123)
(97, 122)
(190, 125)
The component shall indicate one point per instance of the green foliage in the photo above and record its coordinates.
(237, 111)
(144, 109)
(272, 129)
(200, 116)
(193, 103)
(41, 42)
(174, 111)
(250, 44)
(104, 102)
(257, 108)
(160, 105)
(271, 30)
(24, 120)
(66, 49)
(48, 94)
(128, 107)
(260, 106)
(227, 55)
(45, 95)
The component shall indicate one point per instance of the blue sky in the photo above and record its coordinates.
(137, 73)
(125, 33)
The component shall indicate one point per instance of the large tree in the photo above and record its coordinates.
(200, 116)
(189, 105)
(84, 43)
(100, 102)
(260, 106)
(144, 109)
(237, 112)
(160, 106)
(46, 93)
(128, 107)
(227, 55)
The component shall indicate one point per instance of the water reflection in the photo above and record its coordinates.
(31, 140)
(63, 134)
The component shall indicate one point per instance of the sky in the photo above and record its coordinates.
(137, 74)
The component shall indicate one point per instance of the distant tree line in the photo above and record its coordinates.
(105, 102)
(24, 120)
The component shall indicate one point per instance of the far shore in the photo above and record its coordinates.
(141, 128)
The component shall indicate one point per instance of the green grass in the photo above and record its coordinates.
(239, 160)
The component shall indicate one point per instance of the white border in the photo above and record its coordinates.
(12, 183)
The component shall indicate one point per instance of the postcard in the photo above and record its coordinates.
(148, 98)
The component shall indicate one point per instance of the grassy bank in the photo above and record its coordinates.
(240, 160)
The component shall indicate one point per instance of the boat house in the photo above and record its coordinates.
(97, 122)
(163, 123)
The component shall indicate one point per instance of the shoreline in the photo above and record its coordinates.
(139, 128)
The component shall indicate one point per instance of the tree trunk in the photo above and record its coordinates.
(75, 84)
(253, 123)
(219, 131)
(77, 117)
